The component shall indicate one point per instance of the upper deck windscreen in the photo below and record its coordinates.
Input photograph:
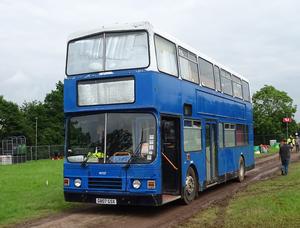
(108, 51)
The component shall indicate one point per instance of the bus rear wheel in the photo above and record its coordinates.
(190, 189)
(241, 171)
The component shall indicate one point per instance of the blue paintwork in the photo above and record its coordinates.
(160, 93)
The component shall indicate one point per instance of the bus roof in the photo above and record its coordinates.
(147, 26)
(116, 27)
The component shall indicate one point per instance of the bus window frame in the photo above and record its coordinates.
(106, 78)
(228, 79)
(67, 132)
(220, 85)
(229, 129)
(201, 133)
(245, 134)
(213, 73)
(223, 143)
(176, 49)
(248, 86)
(241, 84)
(103, 33)
(182, 78)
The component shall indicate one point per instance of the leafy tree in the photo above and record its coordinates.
(50, 118)
(54, 132)
(11, 119)
(270, 106)
(31, 111)
(15, 121)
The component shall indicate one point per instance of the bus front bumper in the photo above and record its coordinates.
(142, 200)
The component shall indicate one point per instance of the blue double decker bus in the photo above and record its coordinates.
(150, 120)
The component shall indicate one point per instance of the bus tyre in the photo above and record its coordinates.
(241, 172)
(190, 189)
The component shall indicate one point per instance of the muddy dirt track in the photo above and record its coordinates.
(166, 216)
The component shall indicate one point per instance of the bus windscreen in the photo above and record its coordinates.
(112, 138)
(108, 51)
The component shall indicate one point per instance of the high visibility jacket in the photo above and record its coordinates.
(96, 154)
(291, 141)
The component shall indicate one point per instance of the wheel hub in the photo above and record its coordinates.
(242, 171)
(190, 184)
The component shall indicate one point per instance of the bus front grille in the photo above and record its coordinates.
(105, 183)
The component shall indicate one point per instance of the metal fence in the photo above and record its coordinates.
(28, 153)
(44, 152)
(265, 139)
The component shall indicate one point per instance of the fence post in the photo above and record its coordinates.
(49, 151)
(36, 153)
(31, 152)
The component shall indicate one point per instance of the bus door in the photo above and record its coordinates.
(170, 155)
(211, 151)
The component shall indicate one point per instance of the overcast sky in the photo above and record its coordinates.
(258, 39)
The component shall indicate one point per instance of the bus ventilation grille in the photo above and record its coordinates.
(105, 183)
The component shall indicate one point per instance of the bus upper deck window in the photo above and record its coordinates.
(108, 51)
(246, 91)
(226, 83)
(166, 56)
(206, 73)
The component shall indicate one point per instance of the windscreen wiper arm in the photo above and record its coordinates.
(134, 154)
(83, 163)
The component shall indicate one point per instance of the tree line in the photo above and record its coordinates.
(21, 120)
(270, 106)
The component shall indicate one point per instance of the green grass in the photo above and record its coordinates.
(31, 190)
(206, 219)
(270, 203)
(271, 150)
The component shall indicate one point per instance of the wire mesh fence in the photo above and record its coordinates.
(44, 152)
(265, 139)
(31, 153)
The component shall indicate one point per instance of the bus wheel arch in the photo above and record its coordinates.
(241, 170)
(191, 185)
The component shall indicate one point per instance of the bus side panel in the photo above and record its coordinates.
(222, 163)
(70, 98)
(197, 161)
(167, 94)
(217, 106)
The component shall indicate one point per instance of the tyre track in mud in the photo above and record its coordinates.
(168, 215)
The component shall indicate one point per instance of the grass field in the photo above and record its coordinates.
(31, 190)
(270, 203)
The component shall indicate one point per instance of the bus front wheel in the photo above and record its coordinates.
(241, 171)
(190, 189)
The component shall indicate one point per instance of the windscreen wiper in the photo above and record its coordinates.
(134, 154)
(89, 154)
(83, 163)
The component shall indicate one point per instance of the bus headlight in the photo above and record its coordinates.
(136, 184)
(77, 183)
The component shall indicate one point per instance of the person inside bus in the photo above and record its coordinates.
(284, 155)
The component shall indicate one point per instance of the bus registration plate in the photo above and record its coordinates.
(106, 201)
